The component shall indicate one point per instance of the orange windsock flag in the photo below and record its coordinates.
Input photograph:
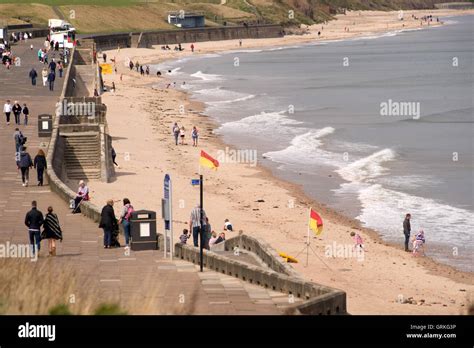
(207, 161)
(315, 222)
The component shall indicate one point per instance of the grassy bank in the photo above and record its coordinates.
(90, 16)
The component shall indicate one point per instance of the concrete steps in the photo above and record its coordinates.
(82, 155)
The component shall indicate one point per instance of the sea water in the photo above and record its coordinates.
(375, 127)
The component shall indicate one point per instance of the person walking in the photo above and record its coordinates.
(24, 164)
(195, 135)
(40, 165)
(125, 217)
(192, 48)
(114, 156)
(51, 78)
(195, 223)
(51, 231)
(19, 140)
(17, 112)
(44, 75)
(182, 134)
(108, 223)
(52, 66)
(176, 132)
(7, 109)
(26, 113)
(34, 220)
(407, 230)
(33, 75)
(60, 68)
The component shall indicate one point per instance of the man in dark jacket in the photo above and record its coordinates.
(33, 76)
(407, 230)
(51, 78)
(24, 163)
(34, 220)
(17, 112)
(108, 223)
(52, 66)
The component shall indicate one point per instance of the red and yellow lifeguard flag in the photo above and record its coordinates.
(315, 222)
(207, 161)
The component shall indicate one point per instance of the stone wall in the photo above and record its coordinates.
(318, 299)
(172, 37)
(112, 41)
(263, 250)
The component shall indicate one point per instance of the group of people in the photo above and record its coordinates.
(15, 37)
(25, 163)
(16, 109)
(179, 134)
(209, 237)
(35, 220)
(139, 68)
(48, 74)
(6, 52)
(418, 241)
(7, 55)
(110, 224)
(176, 48)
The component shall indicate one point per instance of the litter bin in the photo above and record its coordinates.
(45, 125)
(143, 230)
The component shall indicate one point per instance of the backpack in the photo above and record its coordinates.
(128, 215)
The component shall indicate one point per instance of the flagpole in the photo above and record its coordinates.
(201, 202)
(201, 199)
(307, 237)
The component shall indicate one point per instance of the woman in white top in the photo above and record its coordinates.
(7, 109)
(44, 74)
(82, 195)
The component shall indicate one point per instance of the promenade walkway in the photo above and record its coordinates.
(164, 285)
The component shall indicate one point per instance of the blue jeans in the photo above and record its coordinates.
(126, 231)
(107, 237)
(35, 238)
(196, 235)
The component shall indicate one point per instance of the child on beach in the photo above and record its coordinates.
(184, 237)
(227, 225)
(358, 242)
(182, 133)
(195, 135)
(213, 239)
(419, 243)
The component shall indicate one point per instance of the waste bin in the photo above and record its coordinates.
(45, 125)
(143, 230)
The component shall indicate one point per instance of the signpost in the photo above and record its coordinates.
(167, 216)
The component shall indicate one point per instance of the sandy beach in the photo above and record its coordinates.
(140, 119)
